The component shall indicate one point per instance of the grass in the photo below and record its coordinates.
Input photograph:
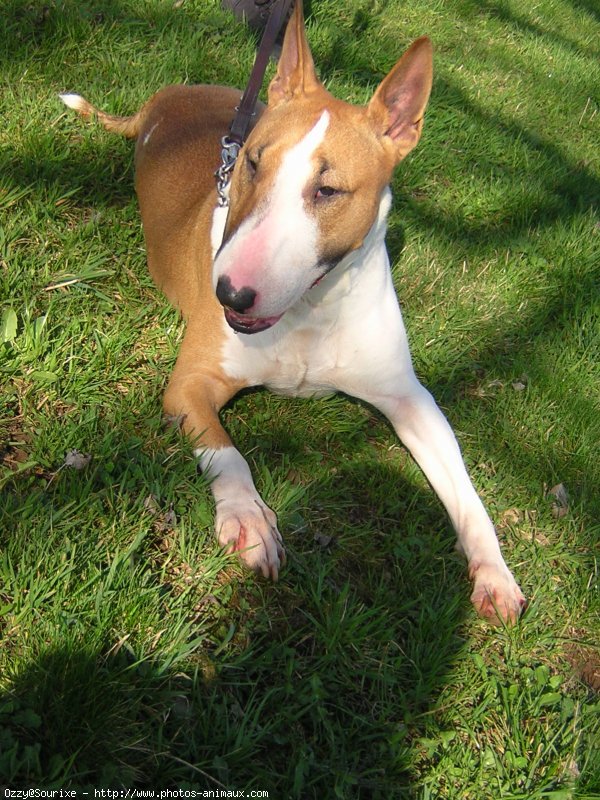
(134, 654)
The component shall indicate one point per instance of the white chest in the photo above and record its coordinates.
(294, 359)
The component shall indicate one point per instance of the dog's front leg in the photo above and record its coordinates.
(426, 433)
(243, 522)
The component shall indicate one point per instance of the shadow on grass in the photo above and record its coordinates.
(324, 690)
(520, 24)
(568, 187)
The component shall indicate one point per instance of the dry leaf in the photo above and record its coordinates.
(560, 506)
(166, 521)
(512, 516)
(77, 460)
(170, 518)
(151, 504)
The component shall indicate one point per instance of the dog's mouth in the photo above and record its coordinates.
(242, 323)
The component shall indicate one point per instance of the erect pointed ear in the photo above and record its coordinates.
(295, 69)
(398, 105)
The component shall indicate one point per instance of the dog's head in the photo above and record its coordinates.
(307, 185)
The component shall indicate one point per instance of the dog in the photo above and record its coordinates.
(289, 287)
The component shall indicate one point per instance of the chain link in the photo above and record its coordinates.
(229, 153)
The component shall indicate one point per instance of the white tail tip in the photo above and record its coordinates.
(74, 101)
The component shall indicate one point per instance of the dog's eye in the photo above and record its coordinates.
(325, 191)
(252, 164)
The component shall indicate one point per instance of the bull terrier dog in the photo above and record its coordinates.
(288, 285)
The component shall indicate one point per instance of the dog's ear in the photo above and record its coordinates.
(398, 105)
(295, 69)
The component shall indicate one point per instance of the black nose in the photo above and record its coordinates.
(239, 300)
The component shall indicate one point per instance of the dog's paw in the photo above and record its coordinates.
(247, 526)
(496, 595)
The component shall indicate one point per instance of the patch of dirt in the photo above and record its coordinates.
(14, 443)
(585, 663)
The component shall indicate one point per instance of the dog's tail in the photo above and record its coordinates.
(126, 126)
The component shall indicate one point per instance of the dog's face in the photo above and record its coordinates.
(308, 183)
(304, 193)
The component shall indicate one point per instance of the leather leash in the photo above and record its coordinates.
(232, 143)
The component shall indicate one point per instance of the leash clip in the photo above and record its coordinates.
(229, 153)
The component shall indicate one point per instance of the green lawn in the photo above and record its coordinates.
(132, 652)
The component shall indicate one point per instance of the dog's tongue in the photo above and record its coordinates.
(245, 324)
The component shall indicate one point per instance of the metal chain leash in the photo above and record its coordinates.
(229, 154)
